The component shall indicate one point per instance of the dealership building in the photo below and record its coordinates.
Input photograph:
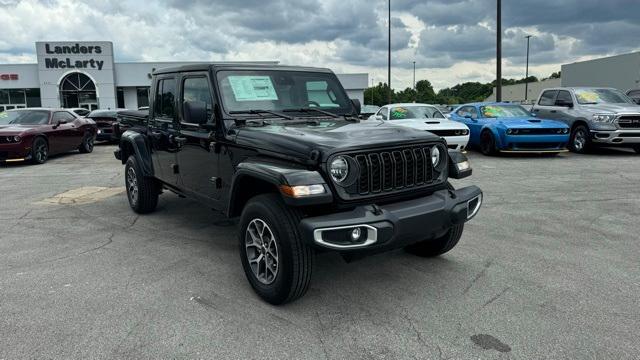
(85, 74)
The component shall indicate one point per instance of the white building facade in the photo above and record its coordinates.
(85, 74)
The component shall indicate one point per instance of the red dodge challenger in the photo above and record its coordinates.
(34, 134)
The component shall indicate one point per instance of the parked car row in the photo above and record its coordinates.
(33, 134)
(562, 119)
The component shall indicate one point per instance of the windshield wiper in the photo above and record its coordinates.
(260, 112)
(309, 109)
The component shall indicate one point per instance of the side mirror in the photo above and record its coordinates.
(59, 122)
(194, 112)
(357, 105)
(378, 117)
(467, 116)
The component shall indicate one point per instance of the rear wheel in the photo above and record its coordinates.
(39, 151)
(87, 144)
(277, 263)
(142, 191)
(487, 143)
(438, 246)
(580, 141)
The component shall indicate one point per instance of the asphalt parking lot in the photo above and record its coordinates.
(548, 269)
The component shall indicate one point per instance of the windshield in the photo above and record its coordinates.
(102, 114)
(24, 117)
(415, 112)
(498, 111)
(278, 90)
(601, 96)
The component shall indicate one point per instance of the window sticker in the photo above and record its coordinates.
(399, 113)
(492, 112)
(3, 115)
(587, 96)
(252, 88)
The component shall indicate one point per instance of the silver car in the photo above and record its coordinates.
(597, 116)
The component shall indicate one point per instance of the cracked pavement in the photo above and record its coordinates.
(548, 269)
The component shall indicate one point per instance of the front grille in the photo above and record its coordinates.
(536, 132)
(535, 146)
(389, 170)
(448, 132)
(629, 121)
(102, 125)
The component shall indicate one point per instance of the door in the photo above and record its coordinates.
(546, 104)
(163, 130)
(67, 135)
(562, 107)
(199, 154)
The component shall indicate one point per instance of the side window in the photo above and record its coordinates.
(564, 98)
(383, 112)
(165, 98)
(469, 111)
(197, 89)
(62, 116)
(548, 98)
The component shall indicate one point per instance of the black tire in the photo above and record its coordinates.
(636, 148)
(142, 191)
(39, 151)
(487, 143)
(438, 246)
(87, 144)
(580, 141)
(293, 260)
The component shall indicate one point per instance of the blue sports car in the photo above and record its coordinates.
(504, 127)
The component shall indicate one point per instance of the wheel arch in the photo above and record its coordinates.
(135, 144)
(246, 185)
(496, 134)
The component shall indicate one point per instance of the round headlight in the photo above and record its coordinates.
(435, 156)
(339, 169)
(16, 138)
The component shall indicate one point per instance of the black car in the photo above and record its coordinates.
(282, 148)
(107, 122)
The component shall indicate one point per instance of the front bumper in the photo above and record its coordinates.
(14, 152)
(457, 142)
(534, 143)
(393, 225)
(620, 136)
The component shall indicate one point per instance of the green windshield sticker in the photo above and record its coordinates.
(253, 88)
(3, 114)
(587, 96)
(399, 113)
(492, 111)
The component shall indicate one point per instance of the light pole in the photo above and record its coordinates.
(389, 59)
(526, 73)
(499, 52)
(372, 91)
(414, 82)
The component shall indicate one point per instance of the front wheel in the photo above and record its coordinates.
(142, 191)
(438, 246)
(580, 141)
(39, 151)
(487, 143)
(277, 263)
(87, 144)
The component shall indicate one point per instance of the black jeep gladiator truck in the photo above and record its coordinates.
(282, 148)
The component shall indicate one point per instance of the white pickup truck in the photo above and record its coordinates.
(425, 117)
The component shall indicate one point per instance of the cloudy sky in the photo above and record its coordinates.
(451, 41)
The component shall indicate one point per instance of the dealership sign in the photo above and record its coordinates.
(8, 76)
(55, 59)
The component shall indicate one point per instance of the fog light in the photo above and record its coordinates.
(462, 166)
(355, 234)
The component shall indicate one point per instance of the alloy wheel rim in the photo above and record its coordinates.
(89, 143)
(132, 185)
(579, 140)
(262, 251)
(41, 152)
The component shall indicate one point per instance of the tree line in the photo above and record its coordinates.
(424, 93)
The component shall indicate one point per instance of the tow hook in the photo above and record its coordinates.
(376, 210)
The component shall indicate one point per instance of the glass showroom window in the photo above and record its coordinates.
(14, 99)
(143, 96)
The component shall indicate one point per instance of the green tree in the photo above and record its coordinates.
(425, 93)
(377, 95)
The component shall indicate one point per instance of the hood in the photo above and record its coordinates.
(612, 108)
(327, 137)
(531, 123)
(15, 129)
(429, 124)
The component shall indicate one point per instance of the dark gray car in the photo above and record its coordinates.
(597, 116)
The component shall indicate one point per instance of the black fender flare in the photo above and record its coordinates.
(133, 143)
(276, 174)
